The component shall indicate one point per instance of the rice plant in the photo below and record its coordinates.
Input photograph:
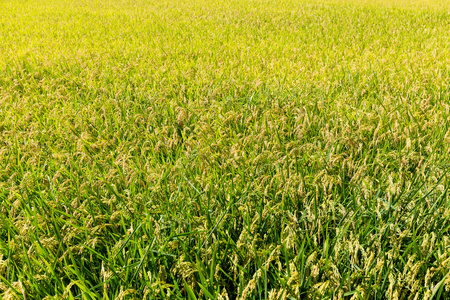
(245, 149)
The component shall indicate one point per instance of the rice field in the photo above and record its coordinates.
(229, 149)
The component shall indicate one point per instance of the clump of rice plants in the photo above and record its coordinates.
(243, 149)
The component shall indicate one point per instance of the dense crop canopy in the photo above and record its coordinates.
(242, 149)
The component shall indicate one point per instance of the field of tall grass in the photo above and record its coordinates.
(230, 149)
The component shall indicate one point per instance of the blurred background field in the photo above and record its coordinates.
(224, 149)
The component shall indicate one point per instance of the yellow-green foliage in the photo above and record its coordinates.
(242, 149)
